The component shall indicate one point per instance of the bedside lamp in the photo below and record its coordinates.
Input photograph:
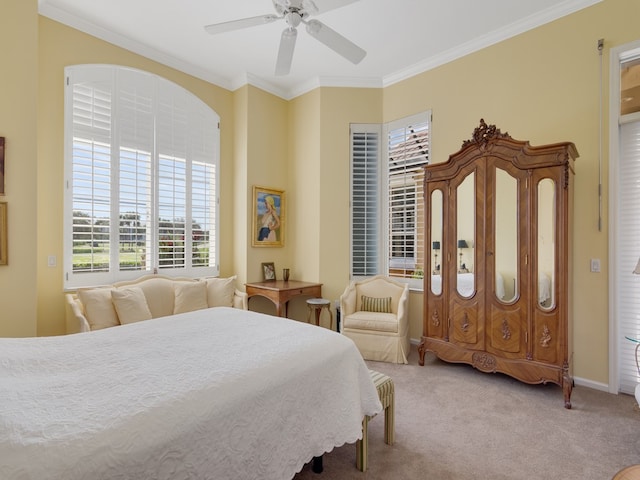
(435, 246)
(636, 271)
(462, 244)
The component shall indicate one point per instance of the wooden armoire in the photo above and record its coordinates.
(497, 260)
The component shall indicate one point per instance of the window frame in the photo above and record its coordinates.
(163, 107)
(383, 196)
(623, 252)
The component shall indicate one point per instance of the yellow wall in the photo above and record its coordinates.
(266, 166)
(319, 181)
(305, 151)
(338, 108)
(267, 160)
(19, 126)
(541, 86)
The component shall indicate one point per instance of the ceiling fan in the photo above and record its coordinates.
(295, 12)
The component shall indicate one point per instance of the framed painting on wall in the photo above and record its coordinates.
(268, 217)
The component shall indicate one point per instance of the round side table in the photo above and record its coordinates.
(315, 306)
(628, 473)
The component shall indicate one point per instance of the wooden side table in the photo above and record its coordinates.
(628, 473)
(280, 292)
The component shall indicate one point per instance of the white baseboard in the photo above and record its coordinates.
(585, 382)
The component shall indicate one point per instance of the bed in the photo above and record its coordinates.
(219, 393)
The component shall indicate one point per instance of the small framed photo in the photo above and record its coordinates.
(268, 272)
(268, 217)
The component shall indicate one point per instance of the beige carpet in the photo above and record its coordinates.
(453, 422)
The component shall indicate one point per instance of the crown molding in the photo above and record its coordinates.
(516, 28)
(553, 13)
(90, 28)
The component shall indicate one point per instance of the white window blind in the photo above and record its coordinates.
(141, 177)
(628, 252)
(365, 195)
(407, 154)
(387, 231)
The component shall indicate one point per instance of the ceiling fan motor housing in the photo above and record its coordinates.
(293, 18)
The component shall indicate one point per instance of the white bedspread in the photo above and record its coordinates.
(217, 394)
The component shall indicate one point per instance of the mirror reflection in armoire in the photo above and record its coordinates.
(506, 244)
(436, 240)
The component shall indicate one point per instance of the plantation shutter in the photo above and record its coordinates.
(136, 115)
(628, 252)
(407, 154)
(204, 178)
(141, 168)
(365, 200)
(90, 200)
(172, 179)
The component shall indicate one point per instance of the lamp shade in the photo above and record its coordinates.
(436, 245)
(462, 244)
(636, 271)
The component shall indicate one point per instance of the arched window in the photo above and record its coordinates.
(141, 177)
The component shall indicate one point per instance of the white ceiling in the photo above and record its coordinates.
(401, 37)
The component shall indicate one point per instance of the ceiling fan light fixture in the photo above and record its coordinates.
(293, 19)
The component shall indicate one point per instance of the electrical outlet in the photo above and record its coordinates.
(595, 265)
(51, 261)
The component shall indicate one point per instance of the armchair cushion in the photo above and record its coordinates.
(375, 304)
(378, 321)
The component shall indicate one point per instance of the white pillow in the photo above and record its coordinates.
(220, 291)
(189, 296)
(98, 307)
(131, 304)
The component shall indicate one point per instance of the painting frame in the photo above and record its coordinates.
(268, 272)
(268, 217)
(3, 234)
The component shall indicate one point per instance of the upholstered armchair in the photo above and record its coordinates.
(375, 315)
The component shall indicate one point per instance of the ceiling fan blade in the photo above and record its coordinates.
(242, 23)
(285, 54)
(335, 41)
(322, 6)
